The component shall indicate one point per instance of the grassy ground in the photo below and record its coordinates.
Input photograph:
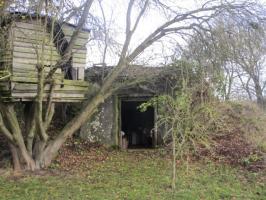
(137, 175)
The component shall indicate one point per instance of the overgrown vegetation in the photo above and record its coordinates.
(241, 139)
(184, 111)
(196, 121)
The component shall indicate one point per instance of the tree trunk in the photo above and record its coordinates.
(15, 157)
(173, 161)
(30, 126)
(12, 124)
(259, 95)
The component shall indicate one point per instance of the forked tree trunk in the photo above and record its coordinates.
(18, 147)
(53, 147)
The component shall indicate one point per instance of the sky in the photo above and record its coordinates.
(151, 20)
(116, 11)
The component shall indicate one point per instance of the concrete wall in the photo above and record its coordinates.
(101, 127)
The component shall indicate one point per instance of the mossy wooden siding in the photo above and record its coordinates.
(26, 43)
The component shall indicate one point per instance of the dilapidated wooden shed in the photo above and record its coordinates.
(27, 40)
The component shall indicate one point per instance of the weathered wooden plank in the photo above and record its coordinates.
(52, 56)
(79, 60)
(55, 95)
(26, 36)
(76, 83)
(17, 61)
(31, 68)
(32, 50)
(57, 81)
(79, 65)
(35, 75)
(82, 55)
(78, 52)
(71, 100)
(32, 41)
(25, 33)
(27, 79)
(58, 88)
(38, 39)
(34, 46)
(79, 41)
(23, 79)
(82, 35)
(31, 25)
(67, 93)
(68, 31)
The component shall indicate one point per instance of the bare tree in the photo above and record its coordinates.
(235, 50)
(249, 54)
(181, 23)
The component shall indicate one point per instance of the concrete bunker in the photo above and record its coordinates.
(118, 118)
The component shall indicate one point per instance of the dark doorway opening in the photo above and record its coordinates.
(138, 126)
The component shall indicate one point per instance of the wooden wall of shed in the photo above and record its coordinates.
(32, 44)
(28, 43)
(79, 51)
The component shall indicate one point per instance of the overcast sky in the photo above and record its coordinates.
(116, 10)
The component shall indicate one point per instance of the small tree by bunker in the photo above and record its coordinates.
(185, 112)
